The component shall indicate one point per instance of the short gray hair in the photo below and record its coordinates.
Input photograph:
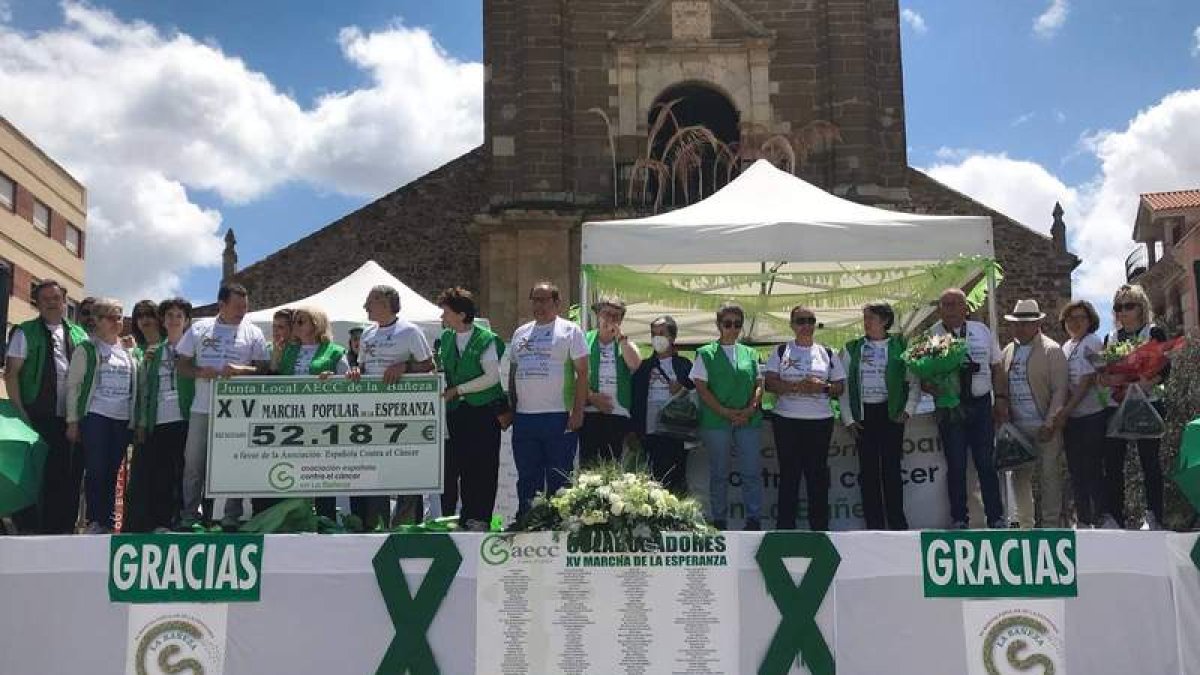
(389, 293)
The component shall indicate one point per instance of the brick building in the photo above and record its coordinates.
(574, 92)
(1167, 260)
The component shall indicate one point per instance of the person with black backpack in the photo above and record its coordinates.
(806, 376)
(661, 377)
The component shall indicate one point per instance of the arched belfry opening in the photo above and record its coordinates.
(695, 131)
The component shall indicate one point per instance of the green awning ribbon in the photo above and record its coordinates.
(798, 633)
(412, 614)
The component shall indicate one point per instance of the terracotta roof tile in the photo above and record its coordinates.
(1179, 199)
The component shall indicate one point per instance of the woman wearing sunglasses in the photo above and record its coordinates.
(726, 377)
(806, 376)
(1134, 321)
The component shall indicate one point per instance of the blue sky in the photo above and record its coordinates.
(183, 117)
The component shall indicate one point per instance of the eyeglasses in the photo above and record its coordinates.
(112, 317)
(731, 324)
(1126, 306)
(1078, 317)
(541, 298)
(804, 321)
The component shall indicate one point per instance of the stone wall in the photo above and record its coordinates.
(785, 63)
(1033, 266)
(419, 233)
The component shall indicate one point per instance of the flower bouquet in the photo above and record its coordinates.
(1134, 360)
(938, 359)
(609, 499)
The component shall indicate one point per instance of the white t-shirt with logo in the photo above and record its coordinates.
(797, 364)
(113, 383)
(659, 392)
(214, 345)
(540, 353)
(983, 350)
(1079, 366)
(872, 371)
(168, 390)
(18, 349)
(606, 372)
(1022, 404)
(384, 346)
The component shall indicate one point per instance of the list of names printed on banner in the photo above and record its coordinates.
(599, 603)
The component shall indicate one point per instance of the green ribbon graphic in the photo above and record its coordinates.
(412, 614)
(798, 633)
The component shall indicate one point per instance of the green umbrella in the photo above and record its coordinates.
(1187, 467)
(22, 457)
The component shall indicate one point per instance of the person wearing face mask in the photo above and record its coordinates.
(660, 377)
(612, 359)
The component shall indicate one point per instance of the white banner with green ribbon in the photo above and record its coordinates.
(850, 603)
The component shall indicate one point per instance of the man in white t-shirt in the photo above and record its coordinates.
(973, 431)
(1037, 384)
(389, 348)
(223, 346)
(548, 384)
(39, 353)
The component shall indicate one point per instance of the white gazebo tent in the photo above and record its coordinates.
(770, 240)
(343, 302)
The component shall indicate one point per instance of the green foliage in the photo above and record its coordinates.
(1182, 406)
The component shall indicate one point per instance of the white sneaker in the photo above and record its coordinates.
(95, 528)
(162, 530)
(1109, 523)
(1152, 524)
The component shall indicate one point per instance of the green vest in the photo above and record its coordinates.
(732, 385)
(624, 377)
(35, 354)
(462, 368)
(893, 376)
(325, 359)
(186, 386)
(89, 379)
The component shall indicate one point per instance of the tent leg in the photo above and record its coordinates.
(991, 296)
(583, 299)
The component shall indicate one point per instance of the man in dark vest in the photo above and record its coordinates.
(39, 352)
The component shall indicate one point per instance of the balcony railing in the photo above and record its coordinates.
(1136, 263)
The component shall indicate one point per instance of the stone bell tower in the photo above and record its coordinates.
(574, 90)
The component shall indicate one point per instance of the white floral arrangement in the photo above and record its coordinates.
(608, 498)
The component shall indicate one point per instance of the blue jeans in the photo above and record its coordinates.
(104, 443)
(975, 433)
(719, 442)
(544, 452)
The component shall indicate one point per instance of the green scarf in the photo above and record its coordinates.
(464, 367)
(624, 379)
(893, 376)
(732, 384)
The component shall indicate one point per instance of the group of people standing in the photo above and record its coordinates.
(90, 393)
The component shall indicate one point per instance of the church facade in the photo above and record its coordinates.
(614, 108)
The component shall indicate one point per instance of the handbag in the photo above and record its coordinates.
(680, 417)
(1013, 448)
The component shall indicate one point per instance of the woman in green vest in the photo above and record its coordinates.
(102, 385)
(878, 400)
(726, 376)
(612, 360)
(476, 410)
(309, 350)
(164, 404)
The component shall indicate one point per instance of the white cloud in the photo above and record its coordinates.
(142, 117)
(914, 20)
(1158, 150)
(1048, 23)
(1023, 119)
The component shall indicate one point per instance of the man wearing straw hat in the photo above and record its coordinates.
(1037, 387)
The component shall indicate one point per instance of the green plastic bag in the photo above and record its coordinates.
(1187, 465)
